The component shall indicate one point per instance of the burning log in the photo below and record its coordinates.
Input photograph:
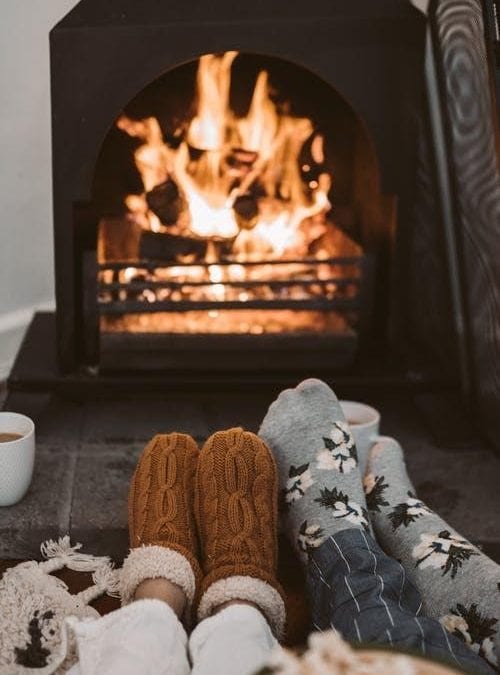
(246, 208)
(159, 246)
(166, 202)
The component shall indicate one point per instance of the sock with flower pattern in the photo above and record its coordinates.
(459, 585)
(320, 481)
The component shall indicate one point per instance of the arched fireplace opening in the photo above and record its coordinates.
(239, 195)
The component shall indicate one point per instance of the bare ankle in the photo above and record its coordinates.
(162, 589)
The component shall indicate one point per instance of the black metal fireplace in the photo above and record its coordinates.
(329, 174)
(365, 141)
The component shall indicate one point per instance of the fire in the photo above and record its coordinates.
(207, 130)
(238, 191)
(254, 157)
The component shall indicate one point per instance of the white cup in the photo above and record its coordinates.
(364, 422)
(17, 457)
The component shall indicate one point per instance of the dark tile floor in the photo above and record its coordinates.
(86, 452)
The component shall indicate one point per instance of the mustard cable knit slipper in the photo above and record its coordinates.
(237, 518)
(162, 530)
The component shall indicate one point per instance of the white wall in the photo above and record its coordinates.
(26, 260)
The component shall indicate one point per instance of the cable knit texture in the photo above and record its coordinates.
(160, 503)
(236, 514)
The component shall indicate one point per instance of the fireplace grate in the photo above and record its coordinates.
(346, 288)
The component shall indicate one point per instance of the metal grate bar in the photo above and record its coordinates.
(152, 265)
(146, 285)
(138, 307)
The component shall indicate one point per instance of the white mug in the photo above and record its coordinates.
(364, 422)
(17, 457)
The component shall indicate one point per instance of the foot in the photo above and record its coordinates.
(402, 522)
(236, 514)
(321, 488)
(161, 520)
(164, 590)
(459, 585)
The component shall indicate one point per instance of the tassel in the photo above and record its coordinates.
(60, 554)
(106, 580)
(109, 579)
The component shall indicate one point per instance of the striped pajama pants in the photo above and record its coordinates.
(355, 588)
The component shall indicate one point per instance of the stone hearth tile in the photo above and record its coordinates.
(116, 422)
(96, 447)
(238, 409)
(400, 419)
(44, 513)
(99, 508)
(60, 422)
(57, 421)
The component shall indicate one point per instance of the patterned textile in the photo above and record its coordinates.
(459, 585)
(320, 479)
(367, 596)
(34, 605)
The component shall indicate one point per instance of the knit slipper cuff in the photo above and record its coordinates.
(158, 562)
(248, 588)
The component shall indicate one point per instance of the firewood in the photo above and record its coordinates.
(166, 202)
(247, 210)
(160, 246)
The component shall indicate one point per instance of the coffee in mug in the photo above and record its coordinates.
(6, 437)
(17, 456)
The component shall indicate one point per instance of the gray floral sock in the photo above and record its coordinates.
(321, 487)
(459, 585)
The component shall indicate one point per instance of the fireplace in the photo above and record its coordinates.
(227, 191)
(273, 190)
(252, 190)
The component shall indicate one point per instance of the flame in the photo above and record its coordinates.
(210, 207)
(253, 188)
(152, 157)
(259, 128)
(207, 130)
(205, 165)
